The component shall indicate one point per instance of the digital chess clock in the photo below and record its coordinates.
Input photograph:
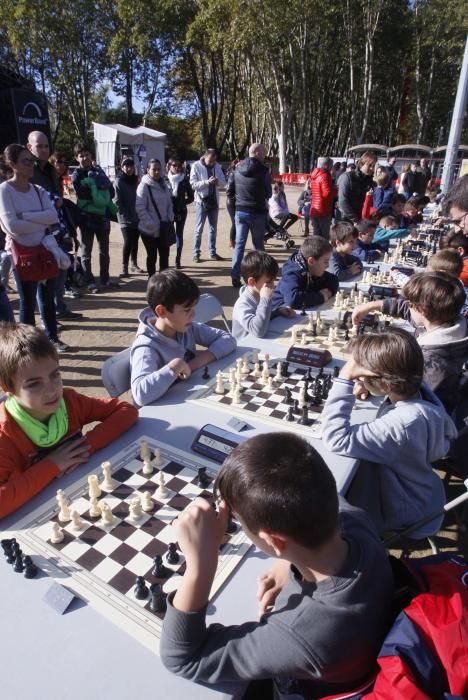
(215, 443)
(308, 356)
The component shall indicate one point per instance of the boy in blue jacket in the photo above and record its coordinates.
(388, 229)
(342, 263)
(164, 348)
(365, 249)
(305, 281)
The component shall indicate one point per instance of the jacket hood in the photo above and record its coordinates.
(316, 173)
(148, 180)
(295, 262)
(147, 333)
(444, 429)
(455, 334)
(250, 167)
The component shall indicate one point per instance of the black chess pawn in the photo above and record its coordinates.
(287, 395)
(141, 589)
(336, 370)
(231, 526)
(203, 480)
(314, 329)
(206, 373)
(158, 603)
(285, 368)
(7, 550)
(18, 566)
(346, 336)
(296, 406)
(304, 419)
(290, 415)
(303, 310)
(172, 555)
(30, 569)
(159, 570)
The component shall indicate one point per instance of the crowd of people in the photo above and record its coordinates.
(331, 584)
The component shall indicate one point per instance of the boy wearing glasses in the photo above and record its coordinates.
(457, 205)
(182, 195)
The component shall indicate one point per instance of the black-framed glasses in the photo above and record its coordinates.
(458, 222)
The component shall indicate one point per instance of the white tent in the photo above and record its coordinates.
(116, 140)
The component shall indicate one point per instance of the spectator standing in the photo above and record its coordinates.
(404, 174)
(231, 202)
(353, 187)
(251, 188)
(206, 177)
(125, 199)
(182, 195)
(383, 193)
(415, 182)
(153, 205)
(427, 173)
(95, 216)
(323, 194)
(391, 170)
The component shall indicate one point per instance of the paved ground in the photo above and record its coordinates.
(110, 320)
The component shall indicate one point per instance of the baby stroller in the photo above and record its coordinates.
(276, 231)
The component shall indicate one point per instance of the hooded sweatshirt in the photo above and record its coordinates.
(251, 186)
(148, 220)
(152, 351)
(251, 315)
(396, 483)
(298, 288)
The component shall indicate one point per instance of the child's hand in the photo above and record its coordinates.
(326, 293)
(200, 531)
(266, 291)
(180, 367)
(360, 312)
(269, 585)
(352, 370)
(355, 268)
(202, 358)
(70, 454)
(287, 311)
(360, 391)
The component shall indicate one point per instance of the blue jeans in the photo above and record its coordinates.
(99, 227)
(244, 222)
(59, 290)
(6, 311)
(200, 217)
(27, 296)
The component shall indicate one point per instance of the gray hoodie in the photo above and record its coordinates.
(250, 315)
(152, 351)
(148, 219)
(398, 447)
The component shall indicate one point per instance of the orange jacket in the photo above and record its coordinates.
(464, 272)
(323, 193)
(21, 477)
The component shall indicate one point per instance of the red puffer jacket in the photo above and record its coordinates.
(323, 193)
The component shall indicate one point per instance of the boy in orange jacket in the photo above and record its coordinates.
(41, 422)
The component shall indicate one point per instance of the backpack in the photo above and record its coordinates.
(425, 654)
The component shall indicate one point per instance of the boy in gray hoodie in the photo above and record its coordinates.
(164, 348)
(395, 482)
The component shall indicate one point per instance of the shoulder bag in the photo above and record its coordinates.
(166, 228)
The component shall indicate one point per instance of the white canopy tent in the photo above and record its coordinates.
(113, 141)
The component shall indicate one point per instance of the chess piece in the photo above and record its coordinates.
(95, 508)
(57, 534)
(304, 419)
(257, 371)
(237, 397)
(245, 367)
(287, 395)
(135, 510)
(77, 522)
(162, 491)
(30, 569)
(159, 570)
(107, 483)
(269, 384)
(147, 467)
(293, 335)
(172, 555)
(303, 339)
(265, 371)
(158, 602)
(206, 373)
(157, 461)
(18, 566)
(64, 512)
(279, 374)
(302, 400)
(290, 415)
(310, 322)
(145, 452)
(141, 590)
(108, 517)
(93, 491)
(203, 480)
(254, 356)
(219, 388)
(147, 503)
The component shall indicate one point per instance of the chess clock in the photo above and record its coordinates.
(215, 443)
(308, 356)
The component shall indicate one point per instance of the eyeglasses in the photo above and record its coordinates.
(458, 222)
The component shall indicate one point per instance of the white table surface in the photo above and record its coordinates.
(81, 655)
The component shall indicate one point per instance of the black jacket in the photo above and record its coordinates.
(184, 196)
(297, 287)
(45, 177)
(251, 186)
(125, 197)
(352, 190)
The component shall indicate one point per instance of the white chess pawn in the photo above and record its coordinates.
(57, 534)
(135, 509)
(257, 371)
(303, 339)
(107, 515)
(144, 451)
(95, 508)
(162, 491)
(107, 483)
(245, 366)
(157, 457)
(310, 324)
(255, 356)
(219, 388)
(147, 467)
(269, 384)
(78, 522)
(147, 502)
(64, 512)
(237, 394)
(293, 335)
(279, 374)
(93, 490)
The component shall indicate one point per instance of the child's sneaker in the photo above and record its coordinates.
(93, 288)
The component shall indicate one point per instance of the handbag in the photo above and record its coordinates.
(166, 228)
(33, 263)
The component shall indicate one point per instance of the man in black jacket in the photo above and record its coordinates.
(353, 186)
(250, 186)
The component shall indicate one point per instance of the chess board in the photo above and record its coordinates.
(321, 341)
(100, 562)
(267, 405)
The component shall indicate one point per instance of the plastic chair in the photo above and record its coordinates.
(208, 308)
(115, 373)
(429, 526)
